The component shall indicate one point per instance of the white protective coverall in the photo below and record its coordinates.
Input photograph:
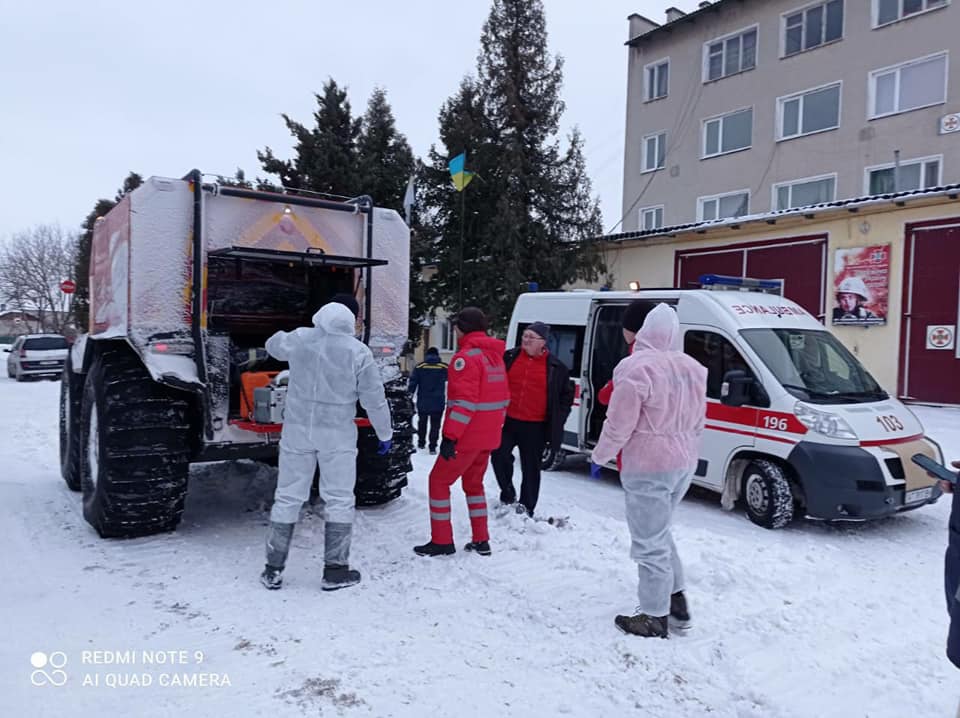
(656, 418)
(329, 371)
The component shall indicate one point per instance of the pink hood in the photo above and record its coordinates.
(659, 402)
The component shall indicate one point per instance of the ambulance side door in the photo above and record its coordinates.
(729, 429)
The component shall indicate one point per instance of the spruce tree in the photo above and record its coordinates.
(326, 155)
(81, 298)
(529, 210)
(385, 160)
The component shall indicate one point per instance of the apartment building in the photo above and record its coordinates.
(751, 106)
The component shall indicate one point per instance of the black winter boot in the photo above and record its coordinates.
(679, 613)
(481, 547)
(643, 625)
(435, 549)
(336, 577)
(272, 577)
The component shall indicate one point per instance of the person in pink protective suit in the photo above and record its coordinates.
(655, 419)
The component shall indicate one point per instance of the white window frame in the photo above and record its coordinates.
(872, 84)
(875, 13)
(451, 345)
(652, 208)
(803, 180)
(804, 8)
(783, 99)
(643, 151)
(706, 198)
(911, 161)
(722, 117)
(705, 69)
(647, 88)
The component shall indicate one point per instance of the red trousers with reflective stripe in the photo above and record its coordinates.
(471, 465)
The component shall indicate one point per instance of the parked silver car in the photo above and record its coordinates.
(36, 355)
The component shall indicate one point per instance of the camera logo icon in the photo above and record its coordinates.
(48, 669)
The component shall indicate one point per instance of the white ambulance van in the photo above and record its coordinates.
(795, 424)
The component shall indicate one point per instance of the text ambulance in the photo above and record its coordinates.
(795, 423)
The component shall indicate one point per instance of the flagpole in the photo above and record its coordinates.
(463, 208)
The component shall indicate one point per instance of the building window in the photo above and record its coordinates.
(922, 173)
(811, 27)
(910, 86)
(801, 193)
(654, 151)
(448, 336)
(808, 112)
(656, 80)
(887, 11)
(722, 206)
(730, 55)
(728, 133)
(651, 218)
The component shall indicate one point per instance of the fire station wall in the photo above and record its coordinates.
(652, 264)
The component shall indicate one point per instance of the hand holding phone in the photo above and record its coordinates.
(936, 469)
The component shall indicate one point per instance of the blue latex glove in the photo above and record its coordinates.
(594, 470)
(384, 447)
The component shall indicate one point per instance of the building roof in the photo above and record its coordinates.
(898, 199)
(691, 17)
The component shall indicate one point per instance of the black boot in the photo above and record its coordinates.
(481, 547)
(643, 625)
(435, 549)
(679, 613)
(336, 577)
(272, 577)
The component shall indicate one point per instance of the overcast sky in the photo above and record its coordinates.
(92, 89)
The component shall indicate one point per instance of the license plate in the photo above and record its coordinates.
(916, 495)
(48, 363)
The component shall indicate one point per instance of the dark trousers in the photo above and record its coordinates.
(952, 581)
(434, 418)
(530, 437)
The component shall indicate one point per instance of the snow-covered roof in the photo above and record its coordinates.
(809, 212)
(682, 17)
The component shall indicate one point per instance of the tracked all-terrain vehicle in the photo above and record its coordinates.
(188, 279)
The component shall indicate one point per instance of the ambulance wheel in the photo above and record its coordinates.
(553, 459)
(134, 448)
(767, 495)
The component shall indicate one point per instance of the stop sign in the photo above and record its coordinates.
(68, 286)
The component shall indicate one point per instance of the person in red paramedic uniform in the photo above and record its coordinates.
(477, 399)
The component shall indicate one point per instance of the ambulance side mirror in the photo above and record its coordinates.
(737, 388)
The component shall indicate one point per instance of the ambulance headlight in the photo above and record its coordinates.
(823, 422)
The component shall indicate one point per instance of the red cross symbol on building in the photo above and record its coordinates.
(940, 337)
(951, 123)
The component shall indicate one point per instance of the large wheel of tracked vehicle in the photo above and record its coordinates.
(134, 454)
(381, 478)
(71, 388)
(767, 494)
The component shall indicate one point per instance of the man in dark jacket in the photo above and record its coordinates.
(541, 394)
(428, 381)
(952, 572)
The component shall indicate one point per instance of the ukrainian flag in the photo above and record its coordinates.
(457, 166)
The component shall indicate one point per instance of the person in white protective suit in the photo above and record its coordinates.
(656, 417)
(329, 371)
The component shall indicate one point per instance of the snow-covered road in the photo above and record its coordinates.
(813, 620)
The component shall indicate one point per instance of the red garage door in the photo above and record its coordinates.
(800, 262)
(929, 363)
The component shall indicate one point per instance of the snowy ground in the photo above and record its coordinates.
(813, 620)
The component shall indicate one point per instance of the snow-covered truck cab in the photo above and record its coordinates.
(188, 279)
(795, 423)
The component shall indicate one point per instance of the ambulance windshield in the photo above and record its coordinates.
(814, 366)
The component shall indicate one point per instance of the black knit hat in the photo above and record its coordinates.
(636, 312)
(349, 301)
(471, 319)
(541, 329)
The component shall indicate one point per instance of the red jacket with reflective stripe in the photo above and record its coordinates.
(477, 393)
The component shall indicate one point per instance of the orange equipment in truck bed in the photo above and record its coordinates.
(250, 380)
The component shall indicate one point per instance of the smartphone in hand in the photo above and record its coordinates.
(936, 468)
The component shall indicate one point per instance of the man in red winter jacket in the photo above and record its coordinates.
(477, 399)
